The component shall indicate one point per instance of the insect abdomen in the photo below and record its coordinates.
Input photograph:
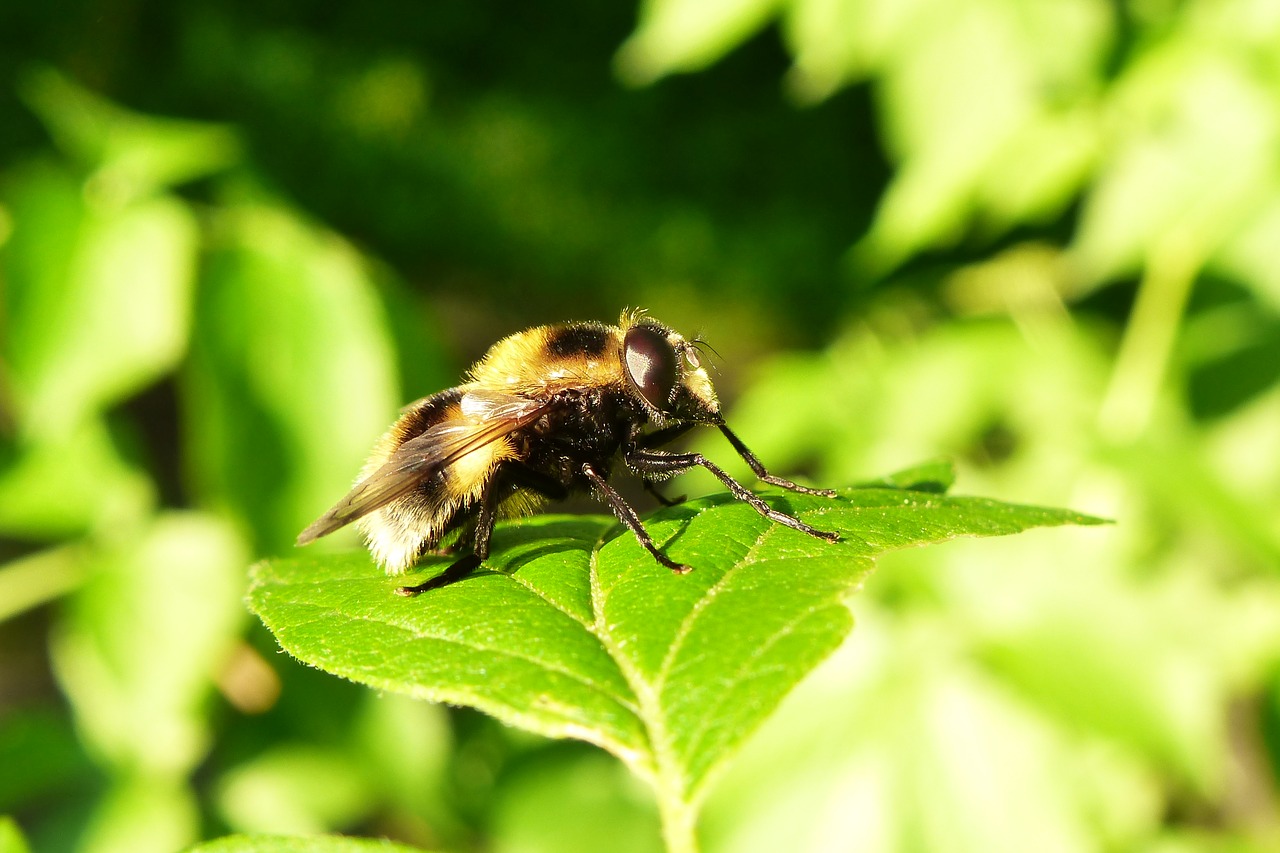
(399, 533)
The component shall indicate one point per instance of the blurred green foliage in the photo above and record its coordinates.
(1036, 237)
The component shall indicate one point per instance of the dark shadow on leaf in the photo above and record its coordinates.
(536, 554)
(557, 535)
(582, 529)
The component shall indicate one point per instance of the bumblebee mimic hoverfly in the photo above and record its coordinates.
(546, 412)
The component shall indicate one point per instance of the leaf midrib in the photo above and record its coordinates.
(695, 612)
(669, 769)
(657, 765)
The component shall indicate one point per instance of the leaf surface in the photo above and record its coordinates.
(572, 630)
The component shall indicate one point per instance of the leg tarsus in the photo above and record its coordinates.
(664, 462)
(757, 468)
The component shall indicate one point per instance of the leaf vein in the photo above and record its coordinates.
(686, 625)
(740, 676)
(583, 679)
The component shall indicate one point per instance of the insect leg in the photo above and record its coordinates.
(459, 570)
(657, 439)
(628, 517)
(485, 518)
(661, 462)
(757, 468)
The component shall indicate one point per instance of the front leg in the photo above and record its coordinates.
(656, 439)
(661, 463)
(757, 468)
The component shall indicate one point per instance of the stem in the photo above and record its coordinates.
(1173, 262)
(677, 809)
(1143, 359)
(678, 818)
(33, 580)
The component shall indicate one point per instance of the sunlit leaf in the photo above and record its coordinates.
(406, 749)
(132, 154)
(1192, 164)
(1130, 661)
(938, 476)
(1249, 254)
(572, 630)
(61, 486)
(985, 108)
(1040, 169)
(832, 43)
(11, 840)
(146, 815)
(535, 798)
(686, 35)
(98, 298)
(294, 789)
(899, 743)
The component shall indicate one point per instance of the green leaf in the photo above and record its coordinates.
(1191, 165)
(992, 143)
(898, 743)
(937, 476)
(572, 630)
(98, 297)
(142, 814)
(132, 154)
(530, 805)
(61, 486)
(11, 839)
(299, 844)
(687, 35)
(288, 335)
(294, 788)
(42, 759)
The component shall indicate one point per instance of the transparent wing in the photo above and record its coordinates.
(484, 417)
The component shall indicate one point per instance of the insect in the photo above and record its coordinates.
(547, 412)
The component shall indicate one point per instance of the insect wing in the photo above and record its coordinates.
(486, 417)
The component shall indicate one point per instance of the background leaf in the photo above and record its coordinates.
(284, 300)
(11, 840)
(101, 297)
(139, 682)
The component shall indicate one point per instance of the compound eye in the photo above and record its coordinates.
(651, 364)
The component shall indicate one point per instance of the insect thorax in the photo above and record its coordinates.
(584, 426)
